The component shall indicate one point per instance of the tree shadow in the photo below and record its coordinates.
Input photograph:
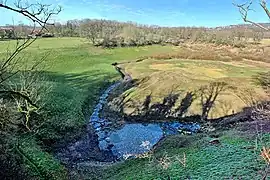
(68, 104)
(170, 108)
(173, 107)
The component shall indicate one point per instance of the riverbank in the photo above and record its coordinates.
(224, 154)
(170, 157)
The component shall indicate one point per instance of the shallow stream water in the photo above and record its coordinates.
(132, 139)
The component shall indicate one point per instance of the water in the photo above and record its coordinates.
(132, 139)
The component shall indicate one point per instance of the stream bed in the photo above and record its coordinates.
(132, 139)
(111, 144)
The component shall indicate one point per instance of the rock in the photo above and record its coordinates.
(72, 148)
(214, 141)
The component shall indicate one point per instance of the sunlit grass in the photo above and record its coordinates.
(161, 77)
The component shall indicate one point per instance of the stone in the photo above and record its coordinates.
(214, 141)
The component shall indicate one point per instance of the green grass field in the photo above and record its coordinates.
(78, 72)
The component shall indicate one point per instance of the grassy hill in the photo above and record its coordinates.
(179, 76)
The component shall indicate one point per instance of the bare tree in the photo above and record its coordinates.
(39, 14)
(92, 29)
(257, 36)
(22, 94)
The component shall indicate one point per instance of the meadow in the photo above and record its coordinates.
(179, 76)
(77, 73)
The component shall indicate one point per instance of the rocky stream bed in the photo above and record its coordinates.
(105, 143)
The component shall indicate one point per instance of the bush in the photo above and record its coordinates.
(47, 35)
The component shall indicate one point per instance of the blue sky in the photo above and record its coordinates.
(209, 13)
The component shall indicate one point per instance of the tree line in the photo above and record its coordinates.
(108, 33)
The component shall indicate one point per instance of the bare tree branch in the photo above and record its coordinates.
(265, 8)
(245, 8)
(23, 94)
(33, 16)
(38, 13)
(18, 94)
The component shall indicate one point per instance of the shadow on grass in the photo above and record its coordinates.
(69, 103)
(173, 107)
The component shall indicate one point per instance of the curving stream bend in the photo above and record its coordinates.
(132, 139)
(105, 143)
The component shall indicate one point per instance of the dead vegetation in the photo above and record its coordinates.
(218, 53)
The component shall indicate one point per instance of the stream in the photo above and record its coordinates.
(129, 140)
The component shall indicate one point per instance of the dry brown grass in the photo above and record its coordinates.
(265, 153)
(161, 77)
(214, 52)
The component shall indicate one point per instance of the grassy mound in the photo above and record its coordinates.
(159, 78)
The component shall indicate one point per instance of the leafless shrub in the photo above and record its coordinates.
(261, 112)
(249, 97)
(92, 29)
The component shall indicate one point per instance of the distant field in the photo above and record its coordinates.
(266, 41)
